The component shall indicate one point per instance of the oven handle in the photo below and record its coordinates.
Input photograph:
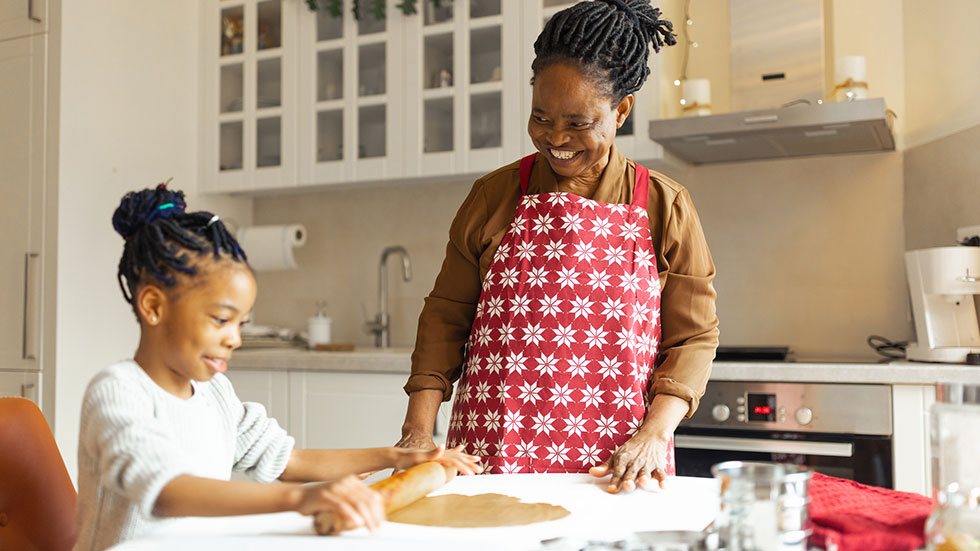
(763, 445)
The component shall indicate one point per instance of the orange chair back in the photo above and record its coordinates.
(37, 498)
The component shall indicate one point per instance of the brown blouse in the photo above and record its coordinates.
(687, 308)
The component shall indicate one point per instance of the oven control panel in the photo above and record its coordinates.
(806, 407)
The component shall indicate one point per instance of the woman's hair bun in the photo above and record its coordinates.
(138, 208)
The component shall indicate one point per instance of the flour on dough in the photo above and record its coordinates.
(479, 511)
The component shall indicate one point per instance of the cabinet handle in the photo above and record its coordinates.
(30, 11)
(24, 388)
(27, 300)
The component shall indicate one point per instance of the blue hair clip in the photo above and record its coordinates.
(163, 211)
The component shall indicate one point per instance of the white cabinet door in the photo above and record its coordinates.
(346, 410)
(22, 18)
(267, 387)
(19, 383)
(22, 104)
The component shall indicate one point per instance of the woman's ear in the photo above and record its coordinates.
(150, 302)
(623, 110)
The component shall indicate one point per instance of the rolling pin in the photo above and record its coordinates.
(397, 491)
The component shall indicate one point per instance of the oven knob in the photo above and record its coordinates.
(720, 412)
(741, 418)
(803, 416)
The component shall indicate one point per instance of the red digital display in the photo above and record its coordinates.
(765, 410)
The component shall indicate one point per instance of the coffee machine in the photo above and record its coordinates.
(942, 283)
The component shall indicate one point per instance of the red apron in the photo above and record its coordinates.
(559, 360)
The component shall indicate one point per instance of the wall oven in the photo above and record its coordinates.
(842, 430)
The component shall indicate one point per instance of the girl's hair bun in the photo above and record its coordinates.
(138, 208)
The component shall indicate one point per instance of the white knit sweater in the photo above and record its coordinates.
(135, 438)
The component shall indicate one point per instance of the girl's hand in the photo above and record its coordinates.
(464, 463)
(637, 463)
(354, 503)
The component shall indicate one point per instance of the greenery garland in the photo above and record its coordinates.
(377, 7)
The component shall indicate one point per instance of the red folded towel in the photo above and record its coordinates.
(848, 516)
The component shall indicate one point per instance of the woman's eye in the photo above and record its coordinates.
(579, 124)
(540, 120)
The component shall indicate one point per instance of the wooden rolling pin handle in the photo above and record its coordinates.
(397, 491)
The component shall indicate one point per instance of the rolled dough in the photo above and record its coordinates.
(477, 511)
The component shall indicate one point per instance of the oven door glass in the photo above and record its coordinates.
(865, 459)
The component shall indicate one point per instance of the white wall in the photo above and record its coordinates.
(129, 119)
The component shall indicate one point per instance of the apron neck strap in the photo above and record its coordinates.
(641, 187)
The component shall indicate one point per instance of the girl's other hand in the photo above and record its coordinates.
(354, 503)
(464, 463)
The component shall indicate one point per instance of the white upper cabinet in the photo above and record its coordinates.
(249, 95)
(20, 18)
(294, 97)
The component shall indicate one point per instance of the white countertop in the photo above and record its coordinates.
(398, 360)
(686, 504)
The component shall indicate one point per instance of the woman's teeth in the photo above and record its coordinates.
(563, 155)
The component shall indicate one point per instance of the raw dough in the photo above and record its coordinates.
(479, 511)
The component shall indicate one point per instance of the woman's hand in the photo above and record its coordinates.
(637, 463)
(354, 503)
(464, 463)
(416, 440)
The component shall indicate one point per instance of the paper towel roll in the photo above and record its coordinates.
(271, 247)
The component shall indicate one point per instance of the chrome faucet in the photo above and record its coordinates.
(381, 325)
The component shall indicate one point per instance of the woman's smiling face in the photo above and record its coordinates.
(573, 122)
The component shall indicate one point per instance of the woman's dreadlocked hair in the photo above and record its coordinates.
(159, 234)
(606, 39)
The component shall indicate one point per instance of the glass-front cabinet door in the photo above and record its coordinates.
(633, 138)
(351, 94)
(463, 112)
(248, 93)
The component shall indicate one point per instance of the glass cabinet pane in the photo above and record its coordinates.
(438, 68)
(232, 30)
(485, 55)
(438, 125)
(230, 147)
(367, 21)
(328, 26)
(232, 82)
(269, 86)
(484, 8)
(371, 132)
(329, 135)
(330, 75)
(485, 120)
(434, 15)
(270, 25)
(627, 128)
(371, 66)
(267, 143)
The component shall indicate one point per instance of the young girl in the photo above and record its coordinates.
(161, 433)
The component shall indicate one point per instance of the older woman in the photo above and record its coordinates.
(575, 302)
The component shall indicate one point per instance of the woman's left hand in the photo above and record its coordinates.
(464, 463)
(639, 462)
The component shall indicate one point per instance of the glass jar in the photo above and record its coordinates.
(955, 521)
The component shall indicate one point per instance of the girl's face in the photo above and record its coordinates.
(573, 123)
(200, 320)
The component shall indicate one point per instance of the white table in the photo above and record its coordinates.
(687, 504)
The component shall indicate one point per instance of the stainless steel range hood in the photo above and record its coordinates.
(799, 130)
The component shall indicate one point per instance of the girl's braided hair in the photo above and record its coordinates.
(607, 40)
(159, 234)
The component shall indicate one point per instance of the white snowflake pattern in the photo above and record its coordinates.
(525, 250)
(534, 334)
(561, 395)
(606, 426)
(557, 198)
(623, 397)
(479, 447)
(537, 277)
(616, 256)
(463, 392)
(575, 425)
(572, 223)
(542, 224)
(609, 367)
(529, 392)
(491, 420)
(543, 422)
(582, 306)
(598, 279)
(613, 308)
(589, 454)
(494, 363)
(567, 276)
(480, 307)
(507, 332)
(557, 452)
(483, 335)
(641, 310)
(585, 252)
(644, 258)
(503, 250)
(472, 420)
(578, 365)
(553, 250)
(509, 277)
(548, 364)
(564, 335)
(517, 225)
(531, 201)
(550, 305)
(526, 449)
(626, 339)
(602, 227)
(595, 336)
(520, 305)
(510, 468)
(630, 231)
(630, 282)
(618, 209)
(516, 362)
(494, 306)
(482, 391)
(513, 421)
(592, 395)
(487, 282)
